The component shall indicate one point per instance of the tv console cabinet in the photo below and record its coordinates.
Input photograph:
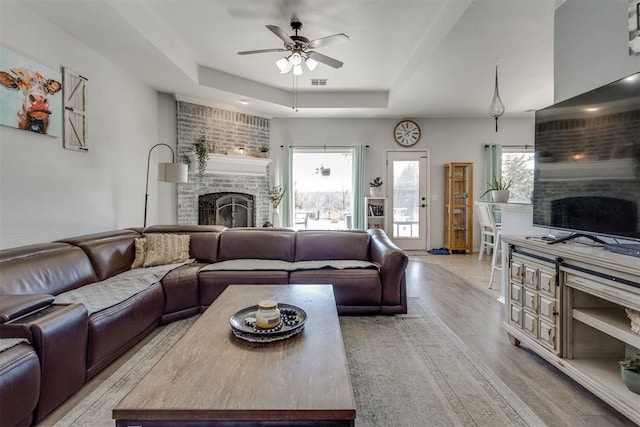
(567, 303)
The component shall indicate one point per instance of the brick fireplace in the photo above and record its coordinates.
(228, 172)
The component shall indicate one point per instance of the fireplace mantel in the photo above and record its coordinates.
(233, 165)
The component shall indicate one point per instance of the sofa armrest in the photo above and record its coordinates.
(15, 306)
(393, 263)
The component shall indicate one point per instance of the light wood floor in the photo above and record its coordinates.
(475, 315)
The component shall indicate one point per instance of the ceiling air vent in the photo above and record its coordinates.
(318, 82)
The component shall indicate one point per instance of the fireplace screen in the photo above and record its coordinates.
(226, 208)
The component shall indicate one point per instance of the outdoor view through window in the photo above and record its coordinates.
(517, 167)
(322, 189)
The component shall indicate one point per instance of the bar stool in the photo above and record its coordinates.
(490, 236)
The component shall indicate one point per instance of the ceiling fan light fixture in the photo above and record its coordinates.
(311, 64)
(297, 70)
(282, 64)
(295, 58)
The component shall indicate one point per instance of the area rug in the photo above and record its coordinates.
(412, 370)
(408, 370)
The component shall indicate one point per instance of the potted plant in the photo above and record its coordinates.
(499, 190)
(630, 372)
(375, 187)
(264, 150)
(202, 154)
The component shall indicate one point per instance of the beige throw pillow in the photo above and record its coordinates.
(164, 248)
(138, 261)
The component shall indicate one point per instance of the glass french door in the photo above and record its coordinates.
(407, 190)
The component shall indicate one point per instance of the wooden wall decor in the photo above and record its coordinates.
(75, 111)
(634, 27)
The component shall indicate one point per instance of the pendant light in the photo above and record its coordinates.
(496, 109)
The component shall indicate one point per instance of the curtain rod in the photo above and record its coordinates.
(510, 146)
(322, 146)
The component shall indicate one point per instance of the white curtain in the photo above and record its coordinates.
(492, 163)
(286, 203)
(359, 185)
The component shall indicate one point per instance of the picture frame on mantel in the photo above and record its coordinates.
(75, 111)
(634, 27)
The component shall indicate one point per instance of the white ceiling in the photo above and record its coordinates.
(404, 58)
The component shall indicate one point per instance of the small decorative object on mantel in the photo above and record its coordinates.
(264, 150)
(499, 190)
(375, 187)
(630, 372)
(202, 154)
(496, 108)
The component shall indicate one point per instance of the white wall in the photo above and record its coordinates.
(591, 46)
(47, 192)
(448, 140)
(166, 211)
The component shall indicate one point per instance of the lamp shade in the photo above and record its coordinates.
(173, 172)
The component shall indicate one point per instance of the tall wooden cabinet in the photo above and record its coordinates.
(458, 207)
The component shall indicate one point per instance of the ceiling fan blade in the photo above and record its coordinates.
(326, 41)
(278, 32)
(325, 59)
(249, 52)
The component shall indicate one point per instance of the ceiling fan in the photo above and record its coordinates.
(300, 49)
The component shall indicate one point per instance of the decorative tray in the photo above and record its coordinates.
(243, 324)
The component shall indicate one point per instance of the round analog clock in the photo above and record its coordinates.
(407, 133)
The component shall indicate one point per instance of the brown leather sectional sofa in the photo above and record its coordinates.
(72, 346)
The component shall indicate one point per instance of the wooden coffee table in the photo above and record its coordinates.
(210, 377)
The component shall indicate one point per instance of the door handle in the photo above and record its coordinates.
(423, 205)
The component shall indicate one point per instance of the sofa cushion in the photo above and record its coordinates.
(110, 252)
(351, 286)
(204, 239)
(257, 243)
(165, 248)
(312, 245)
(49, 268)
(107, 293)
(140, 244)
(19, 384)
(275, 264)
(116, 329)
(213, 283)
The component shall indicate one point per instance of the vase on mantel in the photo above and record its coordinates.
(275, 218)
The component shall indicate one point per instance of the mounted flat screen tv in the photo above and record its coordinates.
(587, 162)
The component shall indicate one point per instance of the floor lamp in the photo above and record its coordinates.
(167, 172)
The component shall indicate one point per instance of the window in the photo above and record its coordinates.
(322, 188)
(517, 166)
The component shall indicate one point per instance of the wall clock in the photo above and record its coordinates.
(407, 133)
